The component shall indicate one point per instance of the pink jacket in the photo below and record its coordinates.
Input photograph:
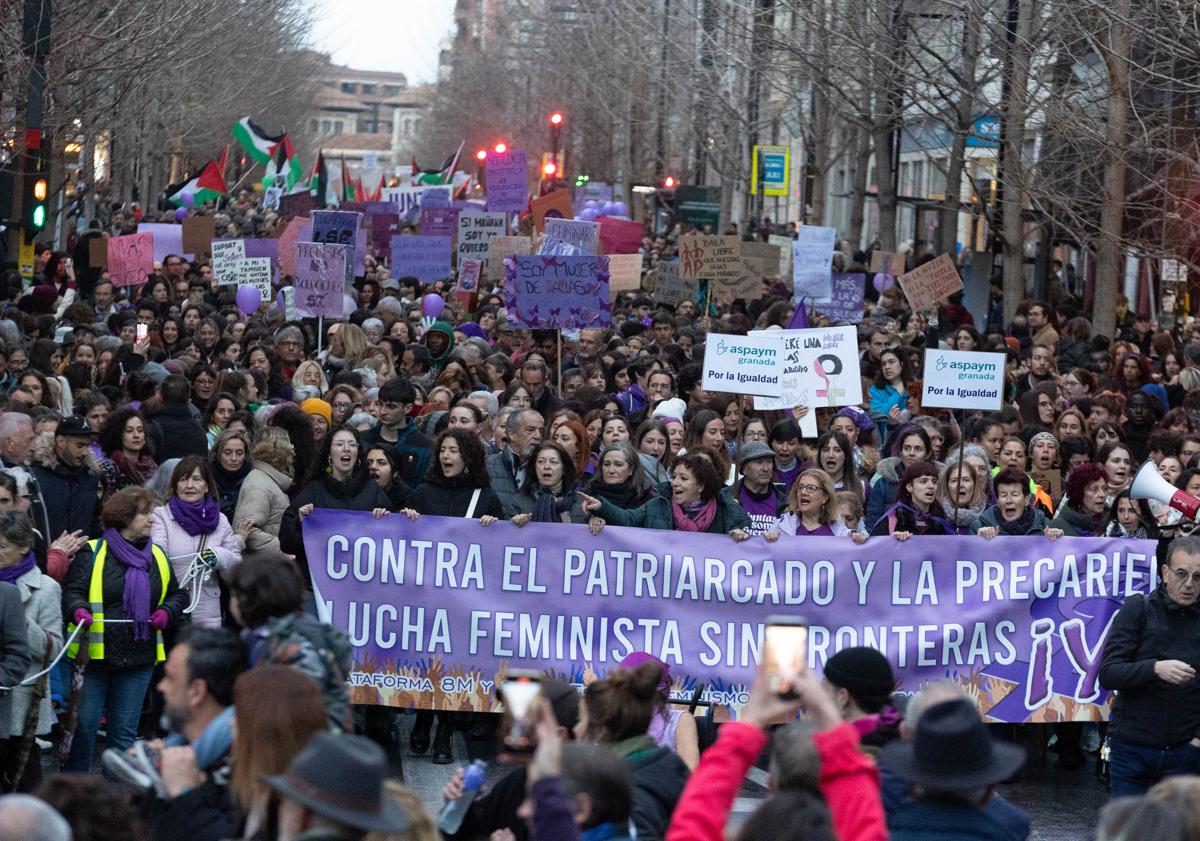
(181, 548)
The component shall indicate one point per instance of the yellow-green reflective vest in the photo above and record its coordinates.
(96, 601)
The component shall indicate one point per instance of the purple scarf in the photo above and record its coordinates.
(11, 574)
(921, 516)
(196, 517)
(136, 560)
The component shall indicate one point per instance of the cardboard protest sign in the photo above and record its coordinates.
(556, 205)
(1050, 481)
(500, 247)
(887, 262)
(812, 262)
(624, 273)
(711, 257)
(297, 230)
(168, 239)
(763, 256)
(256, 272)
(470, 269)
(585, 236)
(846, 301)
(669, 287)
(425, 258)
(98, 252)
(383, 226)
(320, 279)
(744, 364)
(820, 369)
(130, 259)
(507, 181)
(198, 234)
(620, 236)
(475, 230)
(334, 226)
(268, 248)
(960, 379)
(557, 292)
(225, 256)
(439, 221)
(927, 285)
(748, 286)
(784, 244)
(296, 204)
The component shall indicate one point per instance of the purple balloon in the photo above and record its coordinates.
(249, 299)
(591, 203)
(433, 305)
(620, 209)
(883, 282)
(588, 214)
(180, 214)
(188, 199)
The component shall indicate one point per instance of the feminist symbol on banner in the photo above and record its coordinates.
(827, 365)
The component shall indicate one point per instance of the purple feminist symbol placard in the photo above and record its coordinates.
(1019, 622)
(563, 292)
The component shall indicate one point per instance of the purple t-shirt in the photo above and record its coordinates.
(763, 512)
(787, 477)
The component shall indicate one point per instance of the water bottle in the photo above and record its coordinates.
(452, 814)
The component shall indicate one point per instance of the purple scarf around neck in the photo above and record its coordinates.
(136, 561)
(196, 517)
(12, 573)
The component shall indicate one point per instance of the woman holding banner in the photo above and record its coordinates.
(1012, 514)
(916, 510)
(550, 492)
(696, 504)
(812, 509)
(910, 445)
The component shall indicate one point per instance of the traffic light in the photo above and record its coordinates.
(669, 183)
(581, 179)
(37, 188)
(500, 148)
(556, 119)
(481, 155)
(549, 169)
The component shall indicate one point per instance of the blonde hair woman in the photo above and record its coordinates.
(263, 498)
(812, 508)
(354, 345)
(309, 373)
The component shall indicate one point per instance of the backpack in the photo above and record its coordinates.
(318, 650)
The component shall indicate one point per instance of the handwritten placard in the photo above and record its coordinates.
(927, 285)
(507, 181)
(131, 259)
(320, 279)
(887, 262)
(334, 226)
(669, 287)
(226, 253)
(557, 292)
(820, 369)
(500, 247)
(763, 256)
(711, 257)
(425, 258)
(256, 272)
(475, 230)
(198, 234)
(583, 235)
(784, 244)
(812, 262)
(845, 302)
(624, 273)
(470, 269)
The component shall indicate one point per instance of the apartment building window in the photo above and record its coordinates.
(349, 87)
(368, 89)
(391, 90)
(314, 126)
(326, 126)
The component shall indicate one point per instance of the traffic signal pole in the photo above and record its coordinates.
(35, 43)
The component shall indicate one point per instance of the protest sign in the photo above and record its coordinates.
(820, 369)
(168, 239)
(469, 271)
(500, 247)
(425, 258)
(812, 262)
(434, 196)
(1019, 623)
(130, 259)
(198, 234)
(288, 294)
(710, 257)
(320, 279)
(507, 181)
(956, 379)
(887, 262)
(268, 248)
(669, 287)
(98, 252)
(297, 230)
(383, 226)
(557, 291)
(624, 273)
(475, 230)
(225, 256)
(620, 236)
(927, 285)
(763, 256)
(1173, 271)
(784, 244)
(334, 226)
(407, 201)
(296, 204)
(744, 364)
(556, 205)
(846, 301)
(748, 286)
(440, 221)
(583, 235)
(256, 272)
(271, 197)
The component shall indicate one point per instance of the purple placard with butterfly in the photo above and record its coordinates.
(557, 292)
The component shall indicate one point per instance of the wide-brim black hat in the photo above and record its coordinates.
(341, 778)
(951, 750)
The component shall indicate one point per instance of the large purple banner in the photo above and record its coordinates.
(436, 608)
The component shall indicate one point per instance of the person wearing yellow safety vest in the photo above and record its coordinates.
(120, 576)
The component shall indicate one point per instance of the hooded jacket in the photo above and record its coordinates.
(657, 777)
(67, 498)
(440, 360)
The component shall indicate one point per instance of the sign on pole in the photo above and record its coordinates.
(955, 379)
(558, 292)
(425, 258)
(475, 231)
(320, 280)
(744, 364)
(769, 170)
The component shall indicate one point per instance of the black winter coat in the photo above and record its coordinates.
(358, 493)
(68, 497)
(121, 650)
(447, 498)
(176, 433)
(658, 777)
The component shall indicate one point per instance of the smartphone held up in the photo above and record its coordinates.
(785, 653)
(521, 692)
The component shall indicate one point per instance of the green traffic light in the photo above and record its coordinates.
(39, 216)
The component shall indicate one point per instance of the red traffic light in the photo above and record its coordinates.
(556, 119)
(549, 169)
(481, 155)
(500, 148)
(669, 183)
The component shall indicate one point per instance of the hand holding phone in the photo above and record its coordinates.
(521, 691)
(142, 331)
(785, 653)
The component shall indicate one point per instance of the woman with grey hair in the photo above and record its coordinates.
(619, 479)
(373, 327)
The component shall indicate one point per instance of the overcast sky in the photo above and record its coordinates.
(397, 35)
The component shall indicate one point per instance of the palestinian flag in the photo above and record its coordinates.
(348, 193)
(205, 185)
(258, 144)
(319, 183)
(284, 163)
(445, 175)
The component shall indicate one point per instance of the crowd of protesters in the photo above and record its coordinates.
(161, 450)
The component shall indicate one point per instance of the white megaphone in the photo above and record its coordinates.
(1149, 484)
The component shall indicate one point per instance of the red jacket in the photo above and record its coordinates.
(849, 782)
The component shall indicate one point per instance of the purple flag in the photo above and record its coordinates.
(799, 319)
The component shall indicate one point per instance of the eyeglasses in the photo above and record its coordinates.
(345, 407)
(756, 435)
(1181, 575)
(812, 489)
